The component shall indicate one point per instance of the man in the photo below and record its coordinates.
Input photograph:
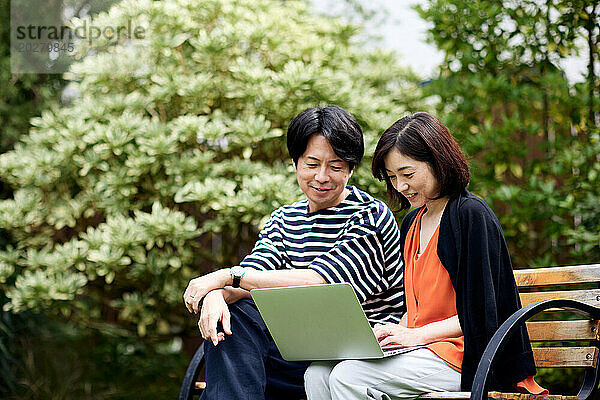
(338, 234)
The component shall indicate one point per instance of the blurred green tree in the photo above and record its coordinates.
(530, 134)
(580, 19)
(173, 154)
(21, 96)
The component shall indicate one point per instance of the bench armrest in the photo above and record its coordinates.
(188, 388)
(516, 320)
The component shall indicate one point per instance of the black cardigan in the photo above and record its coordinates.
(471, 247)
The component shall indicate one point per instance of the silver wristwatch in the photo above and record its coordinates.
(237, 273)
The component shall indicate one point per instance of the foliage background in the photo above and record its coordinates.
(532, 136)
(162, 167)
(170, 154)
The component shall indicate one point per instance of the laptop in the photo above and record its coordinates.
(320, 322)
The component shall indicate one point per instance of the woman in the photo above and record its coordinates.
(459, 283)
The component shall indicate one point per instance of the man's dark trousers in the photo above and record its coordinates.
(247, 364)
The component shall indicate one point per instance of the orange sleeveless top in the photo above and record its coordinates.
(430, 296)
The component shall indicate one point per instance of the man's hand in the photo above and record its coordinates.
(199, 287)
(214, 309)
(397, 334)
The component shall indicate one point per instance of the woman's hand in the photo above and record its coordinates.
(430, 333)
(397, 334)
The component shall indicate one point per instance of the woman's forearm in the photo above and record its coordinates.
(444, 329)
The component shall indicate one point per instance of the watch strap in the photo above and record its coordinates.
(237, 273)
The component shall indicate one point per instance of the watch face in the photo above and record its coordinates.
(238, 271)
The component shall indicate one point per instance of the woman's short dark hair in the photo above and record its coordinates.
(423, 137)
(334, 123)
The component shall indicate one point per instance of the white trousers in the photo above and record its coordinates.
(404, 376)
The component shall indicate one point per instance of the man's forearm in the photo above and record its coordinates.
(254, 279)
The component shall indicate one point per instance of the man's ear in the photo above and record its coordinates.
(351, 172)
(294, 165)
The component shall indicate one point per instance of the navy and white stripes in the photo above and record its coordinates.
(357, 241)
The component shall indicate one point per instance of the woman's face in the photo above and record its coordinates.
(411, 178)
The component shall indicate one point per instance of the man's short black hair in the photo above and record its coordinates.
(334, 123)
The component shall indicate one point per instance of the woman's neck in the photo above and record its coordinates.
(435, 208)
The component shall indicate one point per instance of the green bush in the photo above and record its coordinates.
(173, 154)
(55, 360)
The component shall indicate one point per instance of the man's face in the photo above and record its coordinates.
(322, 175)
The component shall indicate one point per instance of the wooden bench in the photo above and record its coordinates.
(563, 304)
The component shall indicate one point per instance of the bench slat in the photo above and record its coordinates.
(494, 395)
(588, 296)
(446, 395)
(558, 275)
(526, 396)
(578, 330)
(553, 357)
(547, 331)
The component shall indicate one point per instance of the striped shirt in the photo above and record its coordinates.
(356, 241)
